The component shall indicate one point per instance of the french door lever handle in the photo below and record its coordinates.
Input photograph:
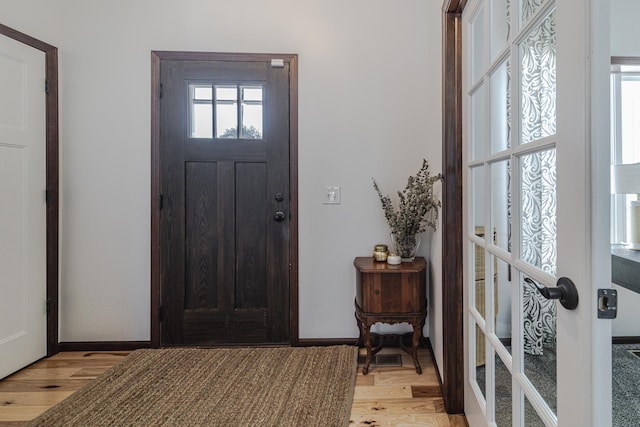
(565, 291)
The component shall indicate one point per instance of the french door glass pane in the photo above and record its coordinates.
(477, 45)
(477, 197)
(531, 418)
(479, 276)
(501, 203)
(539, 342)
(500, 26)
(477, 123)
(538, 81)
(529, 8)
(480, 361)
(500, 108)
(502, 303)
(503, 395)
(538, 207)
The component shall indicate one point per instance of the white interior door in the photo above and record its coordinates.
(22, 199)
(536, 150)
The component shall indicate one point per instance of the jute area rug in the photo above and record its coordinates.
(292, 386)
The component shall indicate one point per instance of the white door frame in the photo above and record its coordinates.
(52, 178)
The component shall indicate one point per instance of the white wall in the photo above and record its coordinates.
(37, 18)
(369, 106)
(625, 28)
(627, 324)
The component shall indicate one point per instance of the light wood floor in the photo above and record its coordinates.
(397, 396)
(387, 396)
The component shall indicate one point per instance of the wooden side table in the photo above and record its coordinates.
(390, 294)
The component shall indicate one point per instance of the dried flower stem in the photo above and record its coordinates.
(415, 202)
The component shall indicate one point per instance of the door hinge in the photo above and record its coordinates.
(607, 303)
(46, 86)
(48, 306)
(47, 196)
(161, 313)
(160, 91)
(160, 201)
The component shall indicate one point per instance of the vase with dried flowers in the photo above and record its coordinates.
(417, 209)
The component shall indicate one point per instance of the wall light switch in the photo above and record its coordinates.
(331, 195)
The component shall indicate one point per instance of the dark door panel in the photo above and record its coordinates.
(224, 256)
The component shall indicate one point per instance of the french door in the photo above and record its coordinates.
(535, 126)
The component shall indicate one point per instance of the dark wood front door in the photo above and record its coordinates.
(224, 160)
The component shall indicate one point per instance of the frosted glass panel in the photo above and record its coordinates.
(501, 201)
(478, 118)
(538, 208)
(477, 45)
(538, 81)
(500, 26)
(500, 108)
(529, 8)
(539, 341)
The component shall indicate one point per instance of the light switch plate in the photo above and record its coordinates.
(331, 195)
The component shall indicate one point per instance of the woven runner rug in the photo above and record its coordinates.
(292, 386)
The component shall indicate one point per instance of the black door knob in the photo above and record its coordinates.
(565, 291)
(279, 216)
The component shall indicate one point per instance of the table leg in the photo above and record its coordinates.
(367, 343)
(417, 332)
(360, 334)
